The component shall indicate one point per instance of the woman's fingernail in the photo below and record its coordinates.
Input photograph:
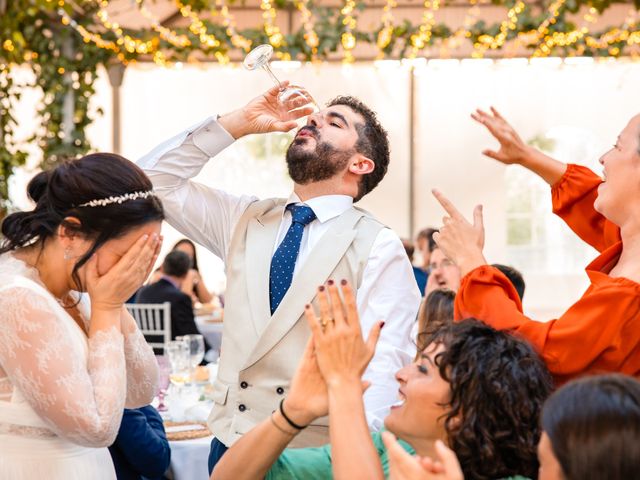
(343, 282)
(329, 282)
(381, 325)
(321, 288)
(307, 306)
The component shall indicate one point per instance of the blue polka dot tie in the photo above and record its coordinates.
(284, 260)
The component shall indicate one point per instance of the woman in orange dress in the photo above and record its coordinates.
(601, 331)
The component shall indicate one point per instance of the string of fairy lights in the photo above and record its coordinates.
(543, 40)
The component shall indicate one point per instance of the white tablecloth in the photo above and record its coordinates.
(211, 331)
(189, 459)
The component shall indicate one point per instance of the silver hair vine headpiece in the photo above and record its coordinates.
(119, 199)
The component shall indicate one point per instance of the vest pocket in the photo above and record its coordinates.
(220, 392)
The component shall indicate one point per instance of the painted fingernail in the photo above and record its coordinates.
(307, 306)
(330, 282)
(381, 325)
(321, 288)
(343, 282)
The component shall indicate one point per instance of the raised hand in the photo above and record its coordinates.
(111, 290)
(461, 241)
(512, 149)
(404, 466)
(342, 354)
(265, 114)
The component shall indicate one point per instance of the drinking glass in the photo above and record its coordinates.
(180, 361)
(196, 348)
(164, 371)
(290, 98)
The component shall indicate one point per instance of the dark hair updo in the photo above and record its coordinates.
(59, 192)
(594, 427)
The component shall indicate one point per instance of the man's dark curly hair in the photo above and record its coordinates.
(498, 387)
(372, 142)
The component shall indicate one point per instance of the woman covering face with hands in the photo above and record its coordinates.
(601, 331)
(71, 357)
(468, 379)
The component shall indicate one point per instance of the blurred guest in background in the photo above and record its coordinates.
(514, 276)
(436, 310)
(175, 268)
(419, 273)
(193, 283)
(443, 273)
(425, 245)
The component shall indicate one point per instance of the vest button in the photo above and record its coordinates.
(244, 384)
(242, 407)
(279, 390)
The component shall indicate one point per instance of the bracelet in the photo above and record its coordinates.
(273, 420)
(289, 421)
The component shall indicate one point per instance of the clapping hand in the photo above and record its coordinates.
(461, 241)
(342, 354)
(404, 466)
(111, 290)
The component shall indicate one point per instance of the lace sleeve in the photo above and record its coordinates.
(142, 368)
(44, 358)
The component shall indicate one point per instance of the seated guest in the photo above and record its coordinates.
(418, 273)
(443, 273)
(141, 449)
(175, 268)
(591, 429)
(601, 331)
(193, 284)
(476, 389)
(514, 276)
(436, 310)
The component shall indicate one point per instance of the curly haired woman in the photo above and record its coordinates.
(475, 389)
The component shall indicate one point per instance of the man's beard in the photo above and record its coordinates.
(324, 162)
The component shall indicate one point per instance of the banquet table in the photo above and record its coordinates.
(211, 329)
(189, 458)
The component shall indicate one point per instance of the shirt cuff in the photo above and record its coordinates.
(211, 137)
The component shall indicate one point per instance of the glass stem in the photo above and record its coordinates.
(271, 74)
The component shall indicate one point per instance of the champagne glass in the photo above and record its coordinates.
(290, 98)
(196, 348)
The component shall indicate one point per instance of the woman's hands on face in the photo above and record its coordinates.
(404, 466)
(111, 290)
(461, 241)
(341, 352)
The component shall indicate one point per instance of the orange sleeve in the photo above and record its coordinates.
(487, 294)
(573, 197)
(570, 345)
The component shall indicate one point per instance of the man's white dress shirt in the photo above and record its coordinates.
(208, 216)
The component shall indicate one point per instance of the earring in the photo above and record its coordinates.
(67, 253)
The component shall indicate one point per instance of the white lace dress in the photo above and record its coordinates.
(62, 395)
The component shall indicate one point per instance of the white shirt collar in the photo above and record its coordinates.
(325, 207)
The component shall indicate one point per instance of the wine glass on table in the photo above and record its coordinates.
(196, 348)
(179, 359)
(164, 371)
(291, 97)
